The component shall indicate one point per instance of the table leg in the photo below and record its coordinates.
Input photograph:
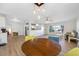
(78, 43)
(69, 39)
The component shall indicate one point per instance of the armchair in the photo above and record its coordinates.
(73, 36)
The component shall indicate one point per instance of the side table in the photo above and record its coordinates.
(78, 42)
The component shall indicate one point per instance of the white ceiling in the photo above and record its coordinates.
(56, 11)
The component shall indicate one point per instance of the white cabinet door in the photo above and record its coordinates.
(3, 38)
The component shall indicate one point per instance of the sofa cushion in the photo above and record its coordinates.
(54, 38)
(73, 52)
(29, 37)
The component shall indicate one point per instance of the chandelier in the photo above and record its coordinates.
(38, 9)
(39, 4)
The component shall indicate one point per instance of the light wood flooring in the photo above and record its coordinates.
(13, 47)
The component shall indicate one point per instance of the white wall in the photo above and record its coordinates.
(2, 21)
(46, 28)
(69, 26)
(15, 26)
(77, 23)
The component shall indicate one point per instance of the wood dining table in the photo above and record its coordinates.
(41, 47)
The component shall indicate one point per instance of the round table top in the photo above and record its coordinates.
(41, 47)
